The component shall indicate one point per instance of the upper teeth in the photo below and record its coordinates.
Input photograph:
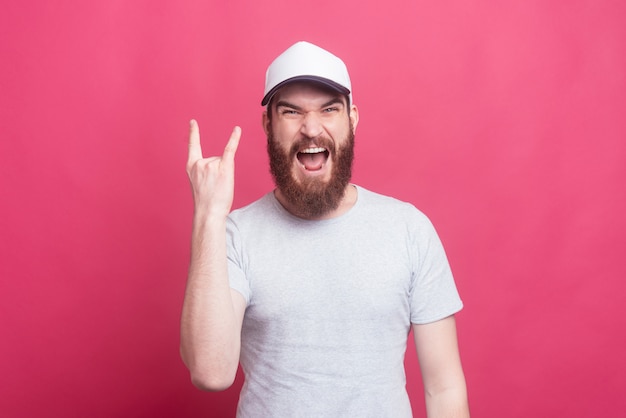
(313, 150)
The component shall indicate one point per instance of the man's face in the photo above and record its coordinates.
(311, 147)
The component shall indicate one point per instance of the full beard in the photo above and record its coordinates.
(312, 198)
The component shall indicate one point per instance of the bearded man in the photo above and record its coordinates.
(315, 287)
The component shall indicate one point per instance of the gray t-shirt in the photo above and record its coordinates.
(330, 304)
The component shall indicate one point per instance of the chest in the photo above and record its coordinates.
(329, 277)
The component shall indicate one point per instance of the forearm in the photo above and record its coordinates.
(210, 327)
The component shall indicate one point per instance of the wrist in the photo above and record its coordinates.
(204, 220)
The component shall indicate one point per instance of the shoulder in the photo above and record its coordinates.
(260, 207)
(260, 216)
(390, 215)
(387, 206)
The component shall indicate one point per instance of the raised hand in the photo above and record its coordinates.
(212, 179)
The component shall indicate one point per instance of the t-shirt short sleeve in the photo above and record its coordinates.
(236, 275)
(433, 293)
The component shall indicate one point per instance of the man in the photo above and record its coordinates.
(315, 287)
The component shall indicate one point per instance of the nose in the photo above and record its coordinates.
(311, 125)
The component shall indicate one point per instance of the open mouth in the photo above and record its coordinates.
(313, 159)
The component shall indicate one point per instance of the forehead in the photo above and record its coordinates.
(307, 92)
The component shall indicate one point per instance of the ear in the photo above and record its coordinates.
(354, 117)
(265, 121)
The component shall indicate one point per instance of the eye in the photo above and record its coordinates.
(288, 112)
(331, 109)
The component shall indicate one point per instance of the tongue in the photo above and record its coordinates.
(312, 161)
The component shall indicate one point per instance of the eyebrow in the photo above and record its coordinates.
(334, 100)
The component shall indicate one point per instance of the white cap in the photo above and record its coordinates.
(304, 61)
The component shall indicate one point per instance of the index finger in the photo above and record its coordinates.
(195, 150)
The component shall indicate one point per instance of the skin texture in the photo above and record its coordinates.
(302, 117)
(212, 313)
(442, 372)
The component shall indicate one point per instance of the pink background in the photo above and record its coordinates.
(503, 121)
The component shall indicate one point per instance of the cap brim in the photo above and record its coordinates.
(319, 80)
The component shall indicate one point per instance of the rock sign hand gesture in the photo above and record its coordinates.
(213, 178)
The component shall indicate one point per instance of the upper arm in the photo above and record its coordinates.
(438, 354)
